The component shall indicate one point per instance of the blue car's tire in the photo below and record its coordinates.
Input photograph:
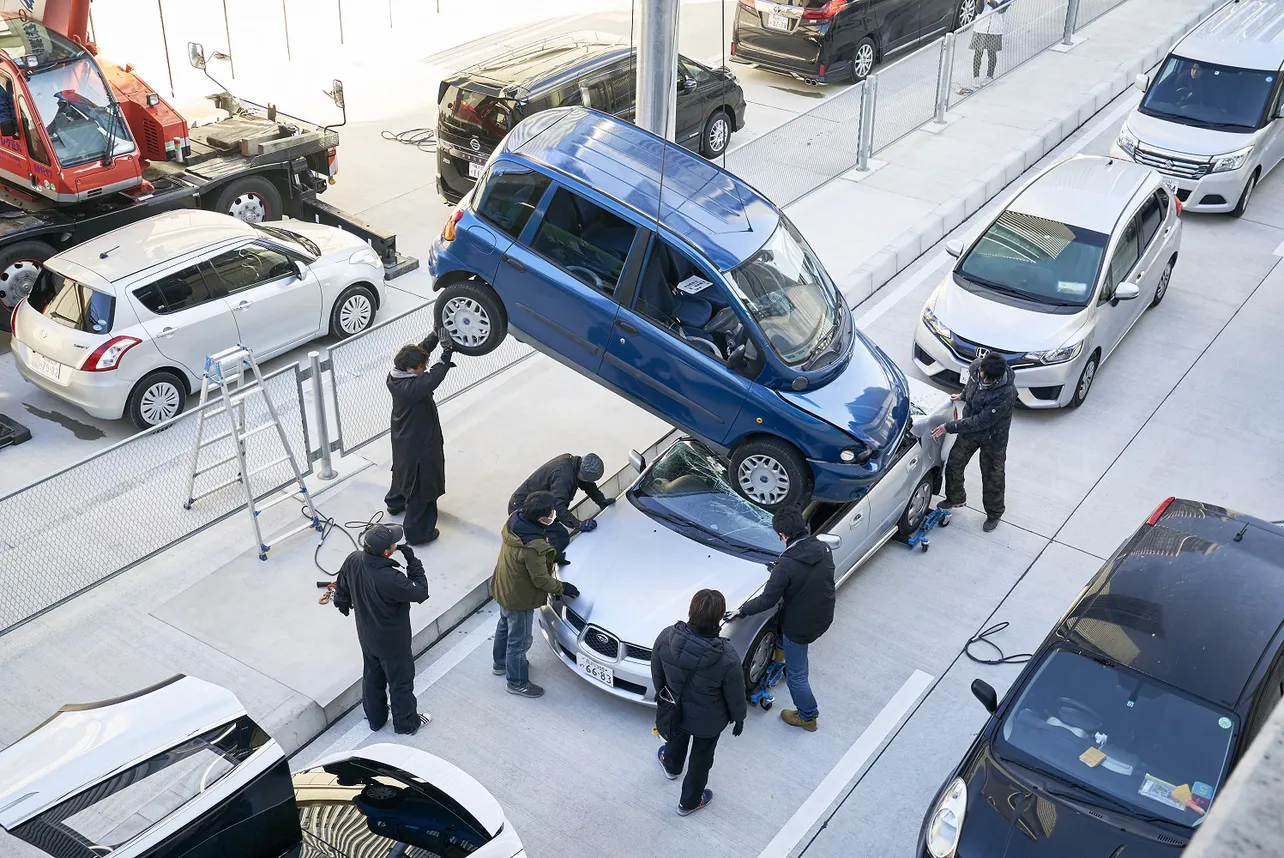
(771, 473)
(473, 316)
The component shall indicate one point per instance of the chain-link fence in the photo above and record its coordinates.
(906, 95)
(93, 519)
(1090, 10)
(1025, 30)
(359, 367)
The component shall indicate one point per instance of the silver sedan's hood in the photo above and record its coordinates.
(1001, 326)
(1156, 133)
(637, 576)
(334, 242)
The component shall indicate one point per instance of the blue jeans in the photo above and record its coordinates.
(796, 678)
(513, 636)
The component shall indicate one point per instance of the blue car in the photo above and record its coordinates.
(678, 286)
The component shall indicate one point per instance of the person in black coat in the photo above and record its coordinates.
(803, 577)
(371, 583)
(988, 400)
(702, 672)
(562, 477)
(418, 447)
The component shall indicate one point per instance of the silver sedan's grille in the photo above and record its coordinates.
(1183, 168)
(602, 643)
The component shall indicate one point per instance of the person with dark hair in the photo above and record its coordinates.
(371, 583)
(987, 40)
(802, 583)
(522, 582)
(562, 477)
(700, 672)
(418, 446)
(988, 399)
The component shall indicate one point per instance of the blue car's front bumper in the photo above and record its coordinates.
(836, 482)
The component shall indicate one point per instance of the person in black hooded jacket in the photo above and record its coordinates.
(418, 446)
(702, 672)
(803, 577)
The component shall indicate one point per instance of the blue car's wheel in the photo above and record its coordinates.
(473, 316)
(771, 473)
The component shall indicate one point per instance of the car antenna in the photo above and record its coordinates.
(103, 255)
(1239, 537)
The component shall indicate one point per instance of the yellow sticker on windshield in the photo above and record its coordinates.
(1092, 756)
(1182, 793)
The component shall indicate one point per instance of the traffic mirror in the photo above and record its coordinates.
(336, 93)
(196, 55)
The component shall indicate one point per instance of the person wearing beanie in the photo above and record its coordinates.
(562, 477)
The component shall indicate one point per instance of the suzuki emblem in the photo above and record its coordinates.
(475, 144)
(1168, 165)
(981, 351)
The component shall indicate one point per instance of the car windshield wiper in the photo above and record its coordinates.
(1075, 792)
(997, 287)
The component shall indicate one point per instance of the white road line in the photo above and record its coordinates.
(1279, 251)
(930, 267)
(823, 797)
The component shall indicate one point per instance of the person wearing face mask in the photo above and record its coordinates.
(988, 400)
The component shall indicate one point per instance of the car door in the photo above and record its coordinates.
(697, 90)
(660, 352)
(275, 301)
(1272, 141)
(509, 195)
(558, 280)
(184, 317)
(1153, 232)
(1114, 316)
(898, 24)
(937, 16)
(851, 525)
(892, 492)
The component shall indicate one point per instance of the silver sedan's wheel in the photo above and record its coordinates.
(466, 321)
(1085, 381)
(160, 401)
(763, 480)
(916, 509)
(355, 313)
(1162, 289)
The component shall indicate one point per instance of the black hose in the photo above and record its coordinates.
(984, 637)
(423, 139)
(329, 525)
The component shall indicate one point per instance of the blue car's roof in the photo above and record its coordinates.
(721, 216)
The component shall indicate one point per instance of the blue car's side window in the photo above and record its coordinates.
(585, 240)
(508, 198)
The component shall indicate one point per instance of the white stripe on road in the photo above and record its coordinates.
(1279, 251)
(852, 763)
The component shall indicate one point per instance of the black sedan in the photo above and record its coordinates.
(1124, 725)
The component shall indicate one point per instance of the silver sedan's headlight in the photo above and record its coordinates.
(1127, 141)
(1231, 160)
(1059, 355)
(366, 256)
(935, 325)
(947, 822)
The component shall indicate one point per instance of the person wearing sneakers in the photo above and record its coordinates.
(562, 477)
(988, 399)
(418, 446)
(522, 583)
(701, 672)
(371, 583)
(987, 39)
(803, 577)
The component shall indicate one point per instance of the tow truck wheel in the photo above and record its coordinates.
(20, 265)
(473, 316)
(252, 199)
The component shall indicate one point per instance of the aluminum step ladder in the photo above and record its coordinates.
(226, 373)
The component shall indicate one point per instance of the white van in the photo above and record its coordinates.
(1211, 117)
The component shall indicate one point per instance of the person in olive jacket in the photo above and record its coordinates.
(702, 672)
(418, 446)
(803, 577)
(522, 583)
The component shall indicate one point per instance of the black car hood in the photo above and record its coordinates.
(1008, 819)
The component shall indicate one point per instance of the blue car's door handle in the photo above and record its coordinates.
(627, 328)
(515, 263)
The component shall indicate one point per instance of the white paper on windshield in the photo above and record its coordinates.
(1160, 791)
(693, 284)
(1065, 287)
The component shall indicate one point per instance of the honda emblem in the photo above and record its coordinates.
(981, 351)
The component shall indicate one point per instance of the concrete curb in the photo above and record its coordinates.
(915, 242)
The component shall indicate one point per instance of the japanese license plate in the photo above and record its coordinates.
(963, 375)
(475, 170)
(595, 670)
(1170, 184)
(778, 22)
(47, 367)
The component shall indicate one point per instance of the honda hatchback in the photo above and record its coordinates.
(678, 286)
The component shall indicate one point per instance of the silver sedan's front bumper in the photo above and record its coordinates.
(628, 672)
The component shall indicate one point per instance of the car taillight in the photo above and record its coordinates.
(108, 355)
(448, 231)
(1159, 512)
(824, 13)
(748, 4)
(13, 318)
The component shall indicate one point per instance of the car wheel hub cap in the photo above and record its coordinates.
(864, 59)
(718, 135)
(1163, 281)
(466, 322)
(159, 403)
(967, 12)
(355, 314)
(763, 479)
(249, 208)
(918, 504)
(761, 658)
(16, 280)
(1088, 372)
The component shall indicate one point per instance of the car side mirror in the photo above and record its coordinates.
(954, 248)
(1142, 82)
(686, 84)
(8, 128)
(1279, 111)
(300, 269)
(637, 461)
(336, 93)
(984, 692)
(1126, 291)
(830, 539)
(196, 55)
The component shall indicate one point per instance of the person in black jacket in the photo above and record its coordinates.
(418, 447)
(803, 577)
(988, 400)
(370, 582)
(562, 477)
(702, 672)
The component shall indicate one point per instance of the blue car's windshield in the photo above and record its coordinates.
(687, 487)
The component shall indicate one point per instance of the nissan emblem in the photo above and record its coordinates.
(475, 144)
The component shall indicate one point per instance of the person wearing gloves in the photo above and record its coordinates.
(701, 673)
(562, 477)
(988, 400)
(803, 577)
(418, 446)
(522, 582)
(371, 583)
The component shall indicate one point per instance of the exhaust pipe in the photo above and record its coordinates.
(810, 82)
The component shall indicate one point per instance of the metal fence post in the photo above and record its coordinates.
(944, 77)
(865, 143)
(323, 428)
(1072, 20)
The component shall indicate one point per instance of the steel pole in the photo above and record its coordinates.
(657, 66)
(323, 428)
(944, 77)
(865, 143)
(1072, 20)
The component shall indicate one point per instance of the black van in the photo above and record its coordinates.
(823, 41)
(478, 106)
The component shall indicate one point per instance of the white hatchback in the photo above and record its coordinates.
(1056, 280)
(121, 325)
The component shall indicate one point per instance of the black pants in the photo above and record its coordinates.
(993, 474)
(675, 754)
(389, 676)
(555, 533)
(986, 43)
(421, 514)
